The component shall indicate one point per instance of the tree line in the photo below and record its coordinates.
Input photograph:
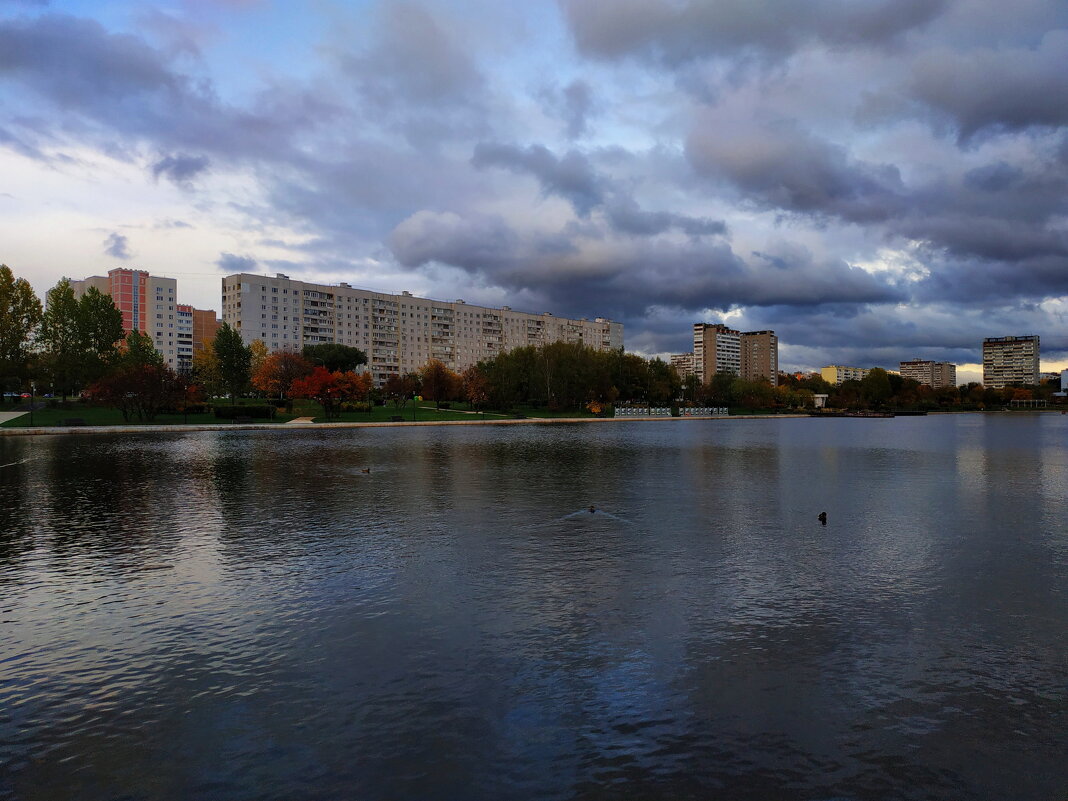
(77, 345)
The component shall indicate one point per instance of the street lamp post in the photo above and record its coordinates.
(33, 391)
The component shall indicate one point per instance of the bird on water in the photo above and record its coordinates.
(822, 517)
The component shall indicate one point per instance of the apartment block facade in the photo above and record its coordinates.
(760, 356)
(1010, 360)
(148, 304)
(683, 364)
(398, 332)
(205, 326)
(933, 374)
(717, 348)
(836, 373)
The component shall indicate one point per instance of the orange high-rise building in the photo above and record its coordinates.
(148, 304)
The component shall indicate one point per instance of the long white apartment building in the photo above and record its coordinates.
(836, 374)
(399, 333)
(933, 374)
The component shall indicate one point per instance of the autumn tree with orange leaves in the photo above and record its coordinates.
(277, 373)
(439, 383)
(330, 390)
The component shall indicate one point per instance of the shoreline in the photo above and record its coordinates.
(178, 429)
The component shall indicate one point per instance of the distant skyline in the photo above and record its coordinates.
(875, 180)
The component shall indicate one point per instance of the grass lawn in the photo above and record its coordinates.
(424, 412)
(106, 416)
(546, 413)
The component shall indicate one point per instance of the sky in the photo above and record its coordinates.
(875, 180)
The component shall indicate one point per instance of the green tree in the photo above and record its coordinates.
(875, 387)
(335, 357)
(258, 353)
(720, 389)
(235, 361)
(206, 370)
(664, 383)
(99, 332)
(399, 388)
(138, 350)
(439, 382)
(20, 315)
(475, 387)
(691, 387)
(61, 338)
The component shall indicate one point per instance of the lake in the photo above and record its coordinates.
(250, 614)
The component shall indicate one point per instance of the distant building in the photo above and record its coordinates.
(148, 304)
(205, 326)
(718, 348)
(933, 374)
(760, 356)
(1046, 378)
(196, 328)
(683, 364)
(835, 374)
(1010, 360)
(398, 332)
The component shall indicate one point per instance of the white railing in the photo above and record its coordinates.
(665, 411)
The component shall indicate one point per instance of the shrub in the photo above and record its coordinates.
(230, 412)
(355, 407)
(191, 408)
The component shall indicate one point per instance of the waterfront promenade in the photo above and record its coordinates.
(303, 425)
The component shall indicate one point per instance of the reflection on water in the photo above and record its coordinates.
(254, 614)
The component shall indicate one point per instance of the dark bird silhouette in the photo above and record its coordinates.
(366, 470)
(822, 517)
(593, 509)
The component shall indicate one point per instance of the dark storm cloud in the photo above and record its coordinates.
(782, 167)
(880, 335)
(107, 81)
(180, 169)
(928, 129)
(674, 32)
(628, 277)
(1002, 89)
(573, 178)
(625, 216)
(231, 263)
(418, 76)
(479, 244)
(415, 58)
(117, 245)
(77, 62)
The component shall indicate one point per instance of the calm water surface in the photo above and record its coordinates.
(240, 615)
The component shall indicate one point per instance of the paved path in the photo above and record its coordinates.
(5, 416)
(177, 429)
(298, 420)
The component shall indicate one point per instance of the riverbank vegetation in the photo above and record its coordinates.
(76, 348)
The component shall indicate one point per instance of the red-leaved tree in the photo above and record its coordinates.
(330, 390)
